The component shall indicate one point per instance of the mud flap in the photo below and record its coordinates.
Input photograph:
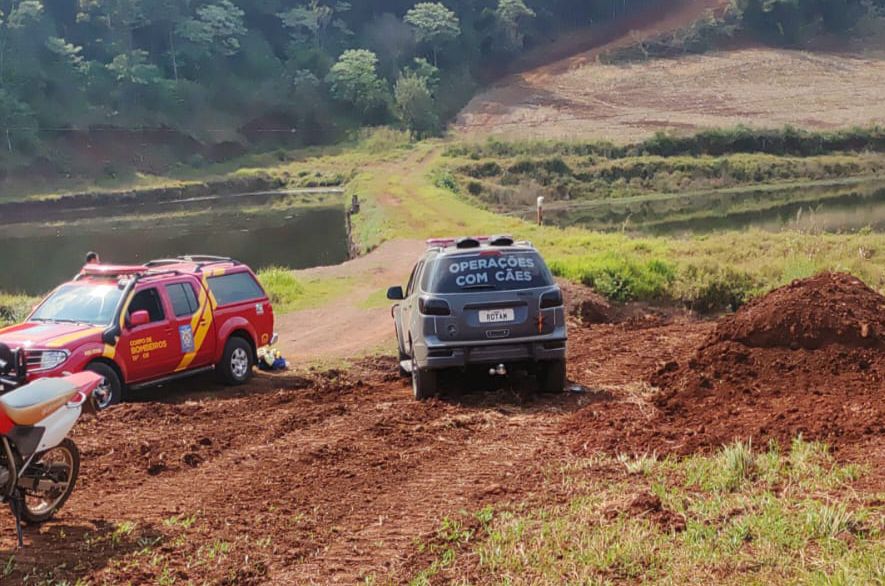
(406, 365)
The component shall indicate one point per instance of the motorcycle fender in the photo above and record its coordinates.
(58, 425)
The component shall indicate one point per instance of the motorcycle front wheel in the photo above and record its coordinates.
(55, 472)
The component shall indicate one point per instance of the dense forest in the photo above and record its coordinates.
(290, 72)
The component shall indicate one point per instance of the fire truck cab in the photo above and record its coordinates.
(143, 325)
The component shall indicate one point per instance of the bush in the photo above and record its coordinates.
(474, 188)
(618, 277)
(444, 179)
(714, 142)
(14, 308)
(711, 287)
(281, 286)
(482, 170)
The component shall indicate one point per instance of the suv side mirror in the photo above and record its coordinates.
(139, 318)
(396, 294)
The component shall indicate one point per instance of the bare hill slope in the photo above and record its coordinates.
(579, 97)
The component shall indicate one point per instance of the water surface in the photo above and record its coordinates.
(271, 229)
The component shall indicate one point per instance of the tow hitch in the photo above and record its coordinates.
(500, 370)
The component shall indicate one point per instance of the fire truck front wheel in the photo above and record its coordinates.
(112, 387)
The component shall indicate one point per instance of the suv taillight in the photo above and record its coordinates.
(428, 306)
(551, 299)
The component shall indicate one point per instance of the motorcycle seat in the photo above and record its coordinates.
(30, 404)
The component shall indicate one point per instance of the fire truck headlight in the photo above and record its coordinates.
(49, 359)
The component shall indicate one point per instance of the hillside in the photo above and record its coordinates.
(583, 97)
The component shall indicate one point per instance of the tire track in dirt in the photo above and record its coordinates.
(312, 470)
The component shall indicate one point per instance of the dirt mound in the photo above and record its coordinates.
(648, 505)
(807, 359)
(810, 313)
(585, 304)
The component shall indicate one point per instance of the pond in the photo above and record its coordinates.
(837, 206)
(271, 229)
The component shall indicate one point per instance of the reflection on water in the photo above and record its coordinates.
(271, 230)
(823, 207)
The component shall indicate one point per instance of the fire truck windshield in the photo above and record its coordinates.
(78, 303)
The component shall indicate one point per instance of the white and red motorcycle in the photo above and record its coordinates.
(39, 464)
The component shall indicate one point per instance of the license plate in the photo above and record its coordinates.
(496, 316)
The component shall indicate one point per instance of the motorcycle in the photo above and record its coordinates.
(39, 464)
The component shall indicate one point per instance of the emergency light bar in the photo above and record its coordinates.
(97, 270)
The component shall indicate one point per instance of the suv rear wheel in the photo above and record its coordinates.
(424, 382)
(235, 367)
(551, 376)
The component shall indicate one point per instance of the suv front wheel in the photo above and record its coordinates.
(424, 382)
(235, 367)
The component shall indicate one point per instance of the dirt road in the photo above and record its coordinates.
(349, 328)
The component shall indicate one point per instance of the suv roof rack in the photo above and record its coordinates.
(473, 241)
(501, 240)
(467, 242)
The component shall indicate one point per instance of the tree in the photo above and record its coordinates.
(354, 80)
(17, 122)
(133, 68)
(434, 24)
(310, 23)
(67, 53)
(415, 106)
(509, 16)
(391, 39)
(216, 29)
(25, 14)
(421, 68)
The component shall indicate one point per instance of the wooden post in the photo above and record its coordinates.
(541, 210)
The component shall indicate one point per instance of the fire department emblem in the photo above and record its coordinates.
(187, 339)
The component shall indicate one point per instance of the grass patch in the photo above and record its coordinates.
(14, 308)
(375, 300)
(744, 516)
(289, 293)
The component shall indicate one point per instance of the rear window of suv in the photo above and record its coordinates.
(490, 270)
(234, 288)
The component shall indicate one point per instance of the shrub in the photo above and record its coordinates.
(482, 170)
(710, 287)
(281, 286)
(618, 277)
(14, 308)
(444, 179)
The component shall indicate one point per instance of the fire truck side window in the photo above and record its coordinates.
(148, 300)
(184, 301)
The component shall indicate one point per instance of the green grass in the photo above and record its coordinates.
(14, 308)
(375, 300)
(743, 516)
(711, 271)
(288, 293)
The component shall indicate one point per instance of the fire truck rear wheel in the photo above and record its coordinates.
(236, 363)
(112, 387)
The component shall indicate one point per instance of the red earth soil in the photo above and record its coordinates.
(327, 477)
(807, 359)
